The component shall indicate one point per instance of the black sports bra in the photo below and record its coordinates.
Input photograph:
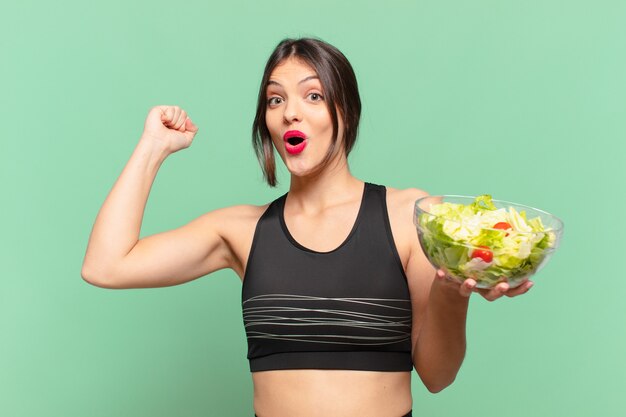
(348, 308)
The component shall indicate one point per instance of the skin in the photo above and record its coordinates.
(320, 210)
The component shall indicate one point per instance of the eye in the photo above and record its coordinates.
(273, 101)
(316, 96)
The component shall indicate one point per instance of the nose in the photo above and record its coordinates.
(292, 111)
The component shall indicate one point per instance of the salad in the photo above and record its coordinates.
(483, 242)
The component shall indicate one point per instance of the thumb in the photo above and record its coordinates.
(190, 126)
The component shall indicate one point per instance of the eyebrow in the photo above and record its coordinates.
(310, 77)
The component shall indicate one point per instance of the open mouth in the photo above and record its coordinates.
(295, 140)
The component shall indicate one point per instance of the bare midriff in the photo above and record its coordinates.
(331, 393)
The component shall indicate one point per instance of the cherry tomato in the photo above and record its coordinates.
(485, 254)
(503, 226)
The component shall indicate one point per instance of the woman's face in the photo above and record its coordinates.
(296, 106)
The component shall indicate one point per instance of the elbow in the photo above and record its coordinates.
(94, 278)
(436, 381)
(86, 275)
(89, 278)
(435, 387)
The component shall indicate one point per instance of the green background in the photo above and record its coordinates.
(522, 100)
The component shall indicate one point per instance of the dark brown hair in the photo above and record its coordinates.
(340, 91)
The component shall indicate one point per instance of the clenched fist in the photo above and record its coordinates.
(170, 127)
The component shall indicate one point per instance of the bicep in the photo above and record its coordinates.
(175, 256)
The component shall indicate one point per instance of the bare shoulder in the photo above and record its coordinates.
(231, 221)
(401, 201)
(237, 213)
(400, 206)
(236, 225)
(406, 192)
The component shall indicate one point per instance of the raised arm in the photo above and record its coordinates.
(115, 257)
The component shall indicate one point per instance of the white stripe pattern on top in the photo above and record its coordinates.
(393, 327)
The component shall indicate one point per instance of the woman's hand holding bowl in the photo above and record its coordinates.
(468, 286)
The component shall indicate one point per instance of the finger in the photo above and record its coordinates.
(180, 120)
(491, 295)
(190, 126)
(162, 109)
(467, 287)
(445, 280)
(503, 287)
(171, 114)
(167, 114)
(176, 115)
(496, 292)
(183, 119)
(522, 289)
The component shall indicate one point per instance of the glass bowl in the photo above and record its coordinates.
(457, 244)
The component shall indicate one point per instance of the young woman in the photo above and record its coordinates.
(339, 302)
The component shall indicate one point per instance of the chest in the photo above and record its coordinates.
(350, 305)
(327, 232)
(357, 270)
(321, 233)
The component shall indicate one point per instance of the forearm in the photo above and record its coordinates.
(118, 223)
(441, 343)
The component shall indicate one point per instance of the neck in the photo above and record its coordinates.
(332, 185)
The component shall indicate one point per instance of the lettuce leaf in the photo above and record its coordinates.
(450, 231)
